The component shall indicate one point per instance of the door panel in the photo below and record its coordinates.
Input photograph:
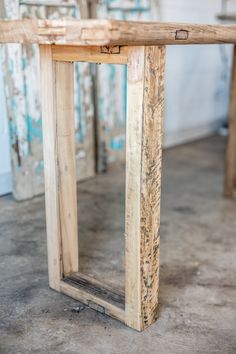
(22, 80)
(5, 160)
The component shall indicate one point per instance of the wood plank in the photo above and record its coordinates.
(97, 288)
(160, 33)
(153, 111)
(93, 301)
(230, 161)
(64, 90)
(135, 77)
(94, 32)
(143, 181)
(105, 55)
(50, 166)
(78, 32)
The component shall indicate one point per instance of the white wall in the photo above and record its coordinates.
(5, 164)
(197, 77)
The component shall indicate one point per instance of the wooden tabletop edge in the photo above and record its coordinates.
(113, 32)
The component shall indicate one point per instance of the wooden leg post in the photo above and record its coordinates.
(59, 166)
(230, 163)
(137, 307)
(143, 183)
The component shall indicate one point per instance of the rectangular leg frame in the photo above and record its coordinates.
(137, 306)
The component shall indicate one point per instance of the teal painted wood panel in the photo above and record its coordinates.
(111, 100)
(22, 81)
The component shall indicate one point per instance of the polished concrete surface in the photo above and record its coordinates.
(197, 312)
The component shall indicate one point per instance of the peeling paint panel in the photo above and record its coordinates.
(21, 63)
(112, 80)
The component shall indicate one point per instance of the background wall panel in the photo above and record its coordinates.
(197, 77)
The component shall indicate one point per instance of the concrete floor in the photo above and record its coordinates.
(197, 312)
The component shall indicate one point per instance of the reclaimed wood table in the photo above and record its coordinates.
(142, 47)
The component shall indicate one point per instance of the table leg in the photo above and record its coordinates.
(145, 103)
(59, 166)
(230, 163)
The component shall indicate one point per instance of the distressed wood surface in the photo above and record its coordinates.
(92, 300)
(64, 111)
(143, 183)
(153, 111)
(50, 146)
(113, 32)
(113, 78)
(230, 161)
(97, 288)
(105, 55)
(135, 88)
(59, 166)
(21, 72)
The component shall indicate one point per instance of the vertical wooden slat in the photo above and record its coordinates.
(145, 99)
(59, 166)
(64, 90)
(50, 166)
(135, 86)
(230, 162)
(151, 180)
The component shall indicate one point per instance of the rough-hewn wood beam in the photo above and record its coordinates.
(104, 32)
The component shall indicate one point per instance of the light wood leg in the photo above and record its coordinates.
(138, 306)
(230, 163)
(64, 91)
(59, 166)
(143, 183)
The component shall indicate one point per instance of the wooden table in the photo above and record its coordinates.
(140, 46)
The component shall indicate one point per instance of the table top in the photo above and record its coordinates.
(113, 32)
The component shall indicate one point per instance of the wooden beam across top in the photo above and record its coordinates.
(110, 33)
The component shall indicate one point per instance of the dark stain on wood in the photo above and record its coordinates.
(114, 297)
(17, 151)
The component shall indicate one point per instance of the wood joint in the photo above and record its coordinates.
(181, 35)
(90, 54)
(110, 49)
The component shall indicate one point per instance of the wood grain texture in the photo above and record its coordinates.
(96, 287)
(230, 161)
(143, 182)
(50, 166)
(153, 110)
(21, 72)
(157, 33)
(105, 55)
(94, 301)
(114, 32)
(135, 86)
(59, 166)
(64, 91)
(78, 32)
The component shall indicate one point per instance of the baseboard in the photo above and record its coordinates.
(187, 135)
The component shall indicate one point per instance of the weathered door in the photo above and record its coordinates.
(111, 81)
(22, 89)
